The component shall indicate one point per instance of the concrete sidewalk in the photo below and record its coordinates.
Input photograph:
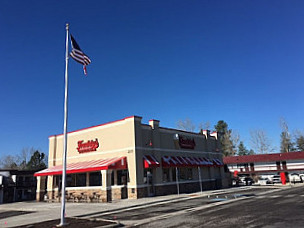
(41, 211)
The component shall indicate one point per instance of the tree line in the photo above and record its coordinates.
(27, 159)
(231, 145)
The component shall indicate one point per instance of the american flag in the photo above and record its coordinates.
(79, 56)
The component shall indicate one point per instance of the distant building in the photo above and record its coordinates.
(17, 185)
(129, 159)
(267, 163)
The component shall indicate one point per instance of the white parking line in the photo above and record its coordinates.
(290, 196)
(261, 197)
(278, 196)
(275, 196)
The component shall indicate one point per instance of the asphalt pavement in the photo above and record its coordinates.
(138, 212)
(272, 209)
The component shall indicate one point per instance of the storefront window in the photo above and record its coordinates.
(71, 180)
(189, 174)
(174, 174)
(56, 181)
(76, 180)
(185, 173)
(166, 175)
(95, 179)
(122, 177)
(81, 179)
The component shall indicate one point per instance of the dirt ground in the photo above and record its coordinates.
(72, 222)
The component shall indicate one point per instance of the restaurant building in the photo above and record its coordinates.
(129, 159)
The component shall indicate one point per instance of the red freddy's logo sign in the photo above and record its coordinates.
(88, 146)
(187, 143)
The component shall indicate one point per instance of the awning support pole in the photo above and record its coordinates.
(200, 178)
(177, 184)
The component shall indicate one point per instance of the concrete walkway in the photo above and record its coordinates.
(34, 212)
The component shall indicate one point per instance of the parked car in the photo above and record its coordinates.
(246, 181)
(276, 179)
(264, 181)
(295, 178)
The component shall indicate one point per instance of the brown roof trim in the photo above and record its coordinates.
(264, 158)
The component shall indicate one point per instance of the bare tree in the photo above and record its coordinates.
(9, 162)
(286, 144)
(19, 161)
(260, 142)
(204, 125)
(186, 125)
(235, 138)
(24, 157)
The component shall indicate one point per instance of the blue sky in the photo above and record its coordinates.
(238, 61)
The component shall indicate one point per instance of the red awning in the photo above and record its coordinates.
(178, 161)
(217, 162)
(206, 161)
(150, 161)
(86, 166)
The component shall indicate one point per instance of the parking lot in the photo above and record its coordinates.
(137, 212)
(282, 208)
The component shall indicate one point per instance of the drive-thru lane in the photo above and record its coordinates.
(276, 209)
(148, 213)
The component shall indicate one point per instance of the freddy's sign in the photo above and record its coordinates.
(187, 143)
(88, 146)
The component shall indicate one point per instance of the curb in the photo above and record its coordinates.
(115, 223)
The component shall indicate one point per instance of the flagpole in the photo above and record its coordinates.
(62, 222)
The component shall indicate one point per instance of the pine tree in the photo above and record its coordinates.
(300, 143)
(251, 152)
(37, 161)
(221, 127)
(242, 150)
(227, 138)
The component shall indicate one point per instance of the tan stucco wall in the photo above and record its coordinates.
(115, 139)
